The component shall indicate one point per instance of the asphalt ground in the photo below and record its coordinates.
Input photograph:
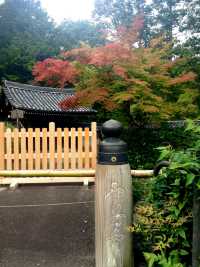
(47, 226)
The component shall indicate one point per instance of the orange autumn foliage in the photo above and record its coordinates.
(69, 103)
(109, 54)
(122, 76)
(128, 36)
(82, 55)
(185, 77)
(55, 72)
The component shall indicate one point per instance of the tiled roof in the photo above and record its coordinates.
(41, 99)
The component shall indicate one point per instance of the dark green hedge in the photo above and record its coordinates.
(142, 143)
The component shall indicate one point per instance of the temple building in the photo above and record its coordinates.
(35, 106)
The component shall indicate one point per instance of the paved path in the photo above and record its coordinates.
(47, 226)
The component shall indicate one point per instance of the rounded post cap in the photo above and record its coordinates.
(112, 128)
(112, 150)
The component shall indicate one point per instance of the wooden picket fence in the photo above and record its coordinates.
(48, 149)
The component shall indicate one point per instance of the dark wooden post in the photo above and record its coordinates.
(113, 200)
(196, 230)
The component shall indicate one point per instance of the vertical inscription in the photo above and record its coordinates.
(117, 223)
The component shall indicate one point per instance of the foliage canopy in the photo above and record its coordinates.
(138, 84)
(27, 34)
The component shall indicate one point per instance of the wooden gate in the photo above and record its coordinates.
(48, 149)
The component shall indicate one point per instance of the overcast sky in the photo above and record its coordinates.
(68, 9)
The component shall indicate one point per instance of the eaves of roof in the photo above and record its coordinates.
(38, 99)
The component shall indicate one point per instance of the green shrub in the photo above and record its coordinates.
(143, 141)
(163, 218)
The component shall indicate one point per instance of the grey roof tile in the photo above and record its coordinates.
(40, 99)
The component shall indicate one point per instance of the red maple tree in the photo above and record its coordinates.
(55, 72)
(122, 75)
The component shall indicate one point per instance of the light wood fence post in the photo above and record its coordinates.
(80, 148)
(94, 144)
(73, 148)
(52, 145)
(87, 148)
(9, 149)
(30, 148)
(23, 149)
(44, 149)
(113, 201)
(16, 148)
(59, 149)
(37, 149)
(66, 149)
(2, 152)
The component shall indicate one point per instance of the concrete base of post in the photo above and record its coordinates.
(113, 215)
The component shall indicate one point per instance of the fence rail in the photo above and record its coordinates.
(48, 149)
